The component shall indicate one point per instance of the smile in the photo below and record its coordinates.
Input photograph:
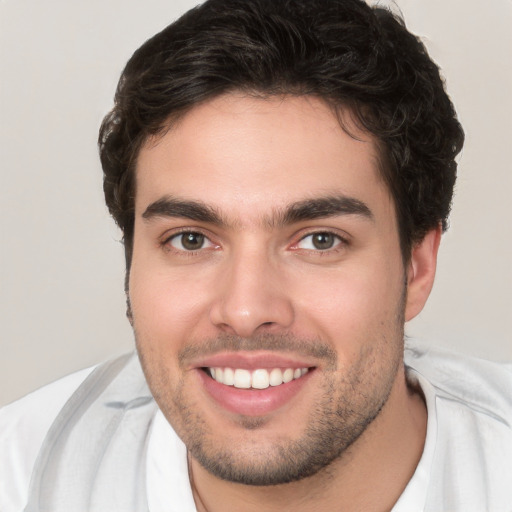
(256, 379)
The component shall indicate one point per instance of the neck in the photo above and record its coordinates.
(371, 475)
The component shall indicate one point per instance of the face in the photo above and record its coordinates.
(267, 285)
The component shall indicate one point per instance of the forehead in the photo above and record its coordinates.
(244, 155)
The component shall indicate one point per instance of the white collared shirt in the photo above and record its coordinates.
(466, 465)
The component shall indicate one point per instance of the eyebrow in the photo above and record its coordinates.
(307, 209)
(194, 210)
(323, 207)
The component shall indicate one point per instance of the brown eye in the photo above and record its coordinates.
(189, 241)
(321, 241)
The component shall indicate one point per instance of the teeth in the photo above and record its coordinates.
(288, 375)
(260, 379)
(257, 379)
(276, 377)
(242, 379)
(229, 377)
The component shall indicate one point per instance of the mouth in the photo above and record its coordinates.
(253, 384)
(260, 378)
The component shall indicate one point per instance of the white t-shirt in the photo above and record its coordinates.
(466, 464)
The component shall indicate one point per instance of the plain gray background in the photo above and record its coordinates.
(61, 268)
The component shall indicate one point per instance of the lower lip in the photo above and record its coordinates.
(252, 402)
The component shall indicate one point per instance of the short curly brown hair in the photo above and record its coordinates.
(351, 55)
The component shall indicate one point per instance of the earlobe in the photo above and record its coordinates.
(421, 272)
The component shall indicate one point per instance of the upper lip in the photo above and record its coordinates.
(251, 361)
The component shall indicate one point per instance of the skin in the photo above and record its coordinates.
(258, 285)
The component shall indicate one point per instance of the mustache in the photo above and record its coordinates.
(313, 348)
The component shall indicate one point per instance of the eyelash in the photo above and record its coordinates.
(166, 242)
(340, 242)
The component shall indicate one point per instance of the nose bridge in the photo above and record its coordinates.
(251, 295)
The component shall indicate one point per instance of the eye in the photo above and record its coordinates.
(321, 241)
(189, 241)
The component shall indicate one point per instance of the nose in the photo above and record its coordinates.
(251, 297)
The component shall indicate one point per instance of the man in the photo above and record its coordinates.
(282, 172)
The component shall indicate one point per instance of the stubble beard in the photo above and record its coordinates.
(329, 434)
(350, 400)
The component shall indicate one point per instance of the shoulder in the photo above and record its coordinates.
(23, 427)
(485, 386)
(471, 401)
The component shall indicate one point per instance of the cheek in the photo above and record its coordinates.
(166, 309)
(352, 304)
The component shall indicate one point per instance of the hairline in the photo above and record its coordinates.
(339, 109)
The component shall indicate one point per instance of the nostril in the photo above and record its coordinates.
(243, 314)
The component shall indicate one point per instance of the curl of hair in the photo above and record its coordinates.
(343, 51)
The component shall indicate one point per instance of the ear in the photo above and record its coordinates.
(421, 272)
